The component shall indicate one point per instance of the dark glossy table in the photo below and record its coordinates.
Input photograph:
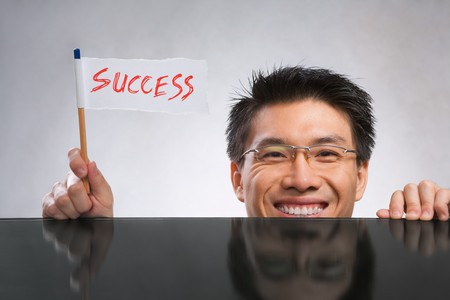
(222, 258)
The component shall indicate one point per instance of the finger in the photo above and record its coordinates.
(427, 190)
(49, 208)
(101, 193)
(412, 201)
(78, 195)
(397, 204)
(63, 202)
(441, 204)
(76, 163)
(383, 213)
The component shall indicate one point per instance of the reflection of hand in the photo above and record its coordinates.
(426, 237)
(69, 199)
(422, 201)
(86, 242)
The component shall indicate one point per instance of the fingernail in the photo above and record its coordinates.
(442, 216)
(426, 214)
(412, 215)
(396, 214)
(73, 153)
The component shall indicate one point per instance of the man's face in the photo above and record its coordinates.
(295, 189)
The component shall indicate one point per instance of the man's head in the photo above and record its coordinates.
(300, 107)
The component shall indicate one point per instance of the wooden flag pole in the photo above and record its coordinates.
(80, 104)
(83, 143)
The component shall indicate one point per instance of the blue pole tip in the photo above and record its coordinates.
(76, 53)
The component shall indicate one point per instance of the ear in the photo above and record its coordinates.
(236, 180)
(361, 180)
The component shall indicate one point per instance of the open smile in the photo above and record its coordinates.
(299, 210)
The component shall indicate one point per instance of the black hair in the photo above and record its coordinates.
(292, 84)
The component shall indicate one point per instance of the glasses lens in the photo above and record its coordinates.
(274, 154)
(326, 154)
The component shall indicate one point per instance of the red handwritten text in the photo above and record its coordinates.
(145, 84)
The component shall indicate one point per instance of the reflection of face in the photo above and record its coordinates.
(301, 260)
(268, 189)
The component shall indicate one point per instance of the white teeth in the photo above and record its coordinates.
(300, 211)
(304, 211)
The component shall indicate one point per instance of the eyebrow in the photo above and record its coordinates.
(329, 139)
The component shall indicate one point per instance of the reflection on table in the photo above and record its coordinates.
(224, 258)
(275, 259)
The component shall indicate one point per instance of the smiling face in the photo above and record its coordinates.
(294, 189)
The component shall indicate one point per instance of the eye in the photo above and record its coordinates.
(326, 154)
(273, 154)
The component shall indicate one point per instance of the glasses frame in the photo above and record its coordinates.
(294, 148)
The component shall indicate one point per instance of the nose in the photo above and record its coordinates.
(300, 175)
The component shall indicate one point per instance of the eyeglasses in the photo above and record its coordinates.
(318, 156)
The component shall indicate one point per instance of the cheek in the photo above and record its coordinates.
(259, 180)
(343, 180)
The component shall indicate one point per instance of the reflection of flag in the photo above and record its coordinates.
(173, 85)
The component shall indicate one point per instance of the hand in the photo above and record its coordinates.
(69, 199)
(425, 237)
(423, 201)
(85, 242)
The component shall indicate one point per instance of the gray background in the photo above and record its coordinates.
(164, 165)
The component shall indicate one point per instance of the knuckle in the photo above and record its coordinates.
(426, 184)
(397, 193)
(51, 210)
(75, 189)
(410, 187)
(397, 198)
(62, 201)
(413, 207)
(47, 199)
(72, 152)
(443, 194)
(55, 186)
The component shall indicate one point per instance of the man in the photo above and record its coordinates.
(299, 143)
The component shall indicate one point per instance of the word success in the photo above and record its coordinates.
(178, 85)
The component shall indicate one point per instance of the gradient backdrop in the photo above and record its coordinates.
(164, 165)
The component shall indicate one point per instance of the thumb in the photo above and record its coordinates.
(100, 188)
(383, 213)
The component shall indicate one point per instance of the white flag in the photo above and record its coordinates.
(175, 85)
